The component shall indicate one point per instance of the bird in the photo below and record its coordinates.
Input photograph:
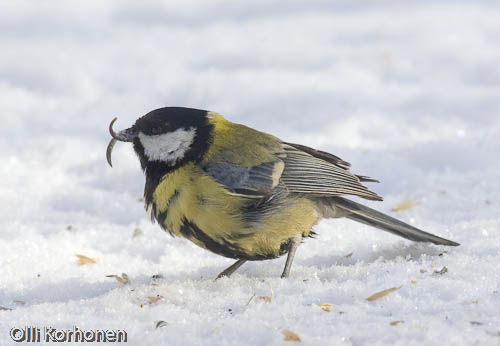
(242, 193)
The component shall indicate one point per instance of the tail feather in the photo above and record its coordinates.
(371, 217)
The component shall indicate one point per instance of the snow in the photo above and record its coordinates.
(408, 92)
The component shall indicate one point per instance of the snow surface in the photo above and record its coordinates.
(407, 91)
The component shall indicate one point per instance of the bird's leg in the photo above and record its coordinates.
(294, 244)
(231, 269)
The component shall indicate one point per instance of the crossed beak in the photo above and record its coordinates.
(122, 136)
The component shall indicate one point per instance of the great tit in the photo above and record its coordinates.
(242, 193)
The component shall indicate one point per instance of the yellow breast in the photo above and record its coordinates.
(188, 194)
(190, 204)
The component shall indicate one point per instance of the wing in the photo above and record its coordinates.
(247, 162)
(257, 181)
(318, 173)
(335, 160)
(254, 164)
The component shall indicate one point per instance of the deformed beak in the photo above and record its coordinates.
(122, 136)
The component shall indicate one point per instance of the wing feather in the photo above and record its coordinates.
(257, 165)
(308, 174)
(255, 181)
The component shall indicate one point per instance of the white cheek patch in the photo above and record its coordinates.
(168, 147)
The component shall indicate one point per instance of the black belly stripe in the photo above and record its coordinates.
(223, 248)
(162, 215)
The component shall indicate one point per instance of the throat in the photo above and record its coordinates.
(155, 172)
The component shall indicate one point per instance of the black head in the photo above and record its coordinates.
(171, 136)
(169, 119)
(167, 136)
(166, 139)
